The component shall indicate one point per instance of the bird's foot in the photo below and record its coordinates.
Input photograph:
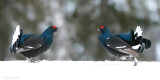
(130, 57)
(32, 60)
(135, 61)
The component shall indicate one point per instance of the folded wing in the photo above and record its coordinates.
(120, 46)
(31, 44)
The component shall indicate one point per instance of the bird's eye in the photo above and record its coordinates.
(101, 27)
(54, 26)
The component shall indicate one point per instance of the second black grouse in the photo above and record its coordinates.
(119, 45)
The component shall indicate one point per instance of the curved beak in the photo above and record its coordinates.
(56, 29)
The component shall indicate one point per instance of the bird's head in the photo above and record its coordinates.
(53, 28)
(103, 29)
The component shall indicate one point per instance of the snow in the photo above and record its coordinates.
(79, 70)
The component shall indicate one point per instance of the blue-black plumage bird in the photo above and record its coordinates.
(32, 45)
(135, 39)
(116, 45)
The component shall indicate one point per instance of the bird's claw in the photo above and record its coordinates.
(32, 60)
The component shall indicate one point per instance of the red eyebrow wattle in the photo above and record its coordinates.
(54, 26)
(102, 27)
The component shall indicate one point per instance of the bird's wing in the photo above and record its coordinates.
(120, 45)
(26, 37)
(31, 44)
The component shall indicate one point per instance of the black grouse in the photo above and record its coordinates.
(116, 45)
(31, 45)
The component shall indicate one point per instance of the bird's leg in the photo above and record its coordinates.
(130, 57)
(135, 61)
(31, 60)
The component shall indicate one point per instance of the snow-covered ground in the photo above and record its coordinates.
(79, 70)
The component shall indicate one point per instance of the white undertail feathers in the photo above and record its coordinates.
(138, 31)
(16, 34)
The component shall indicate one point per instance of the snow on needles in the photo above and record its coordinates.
(78, 70)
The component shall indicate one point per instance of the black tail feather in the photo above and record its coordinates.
(147, 43)
(141, 48)
(139, 40)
